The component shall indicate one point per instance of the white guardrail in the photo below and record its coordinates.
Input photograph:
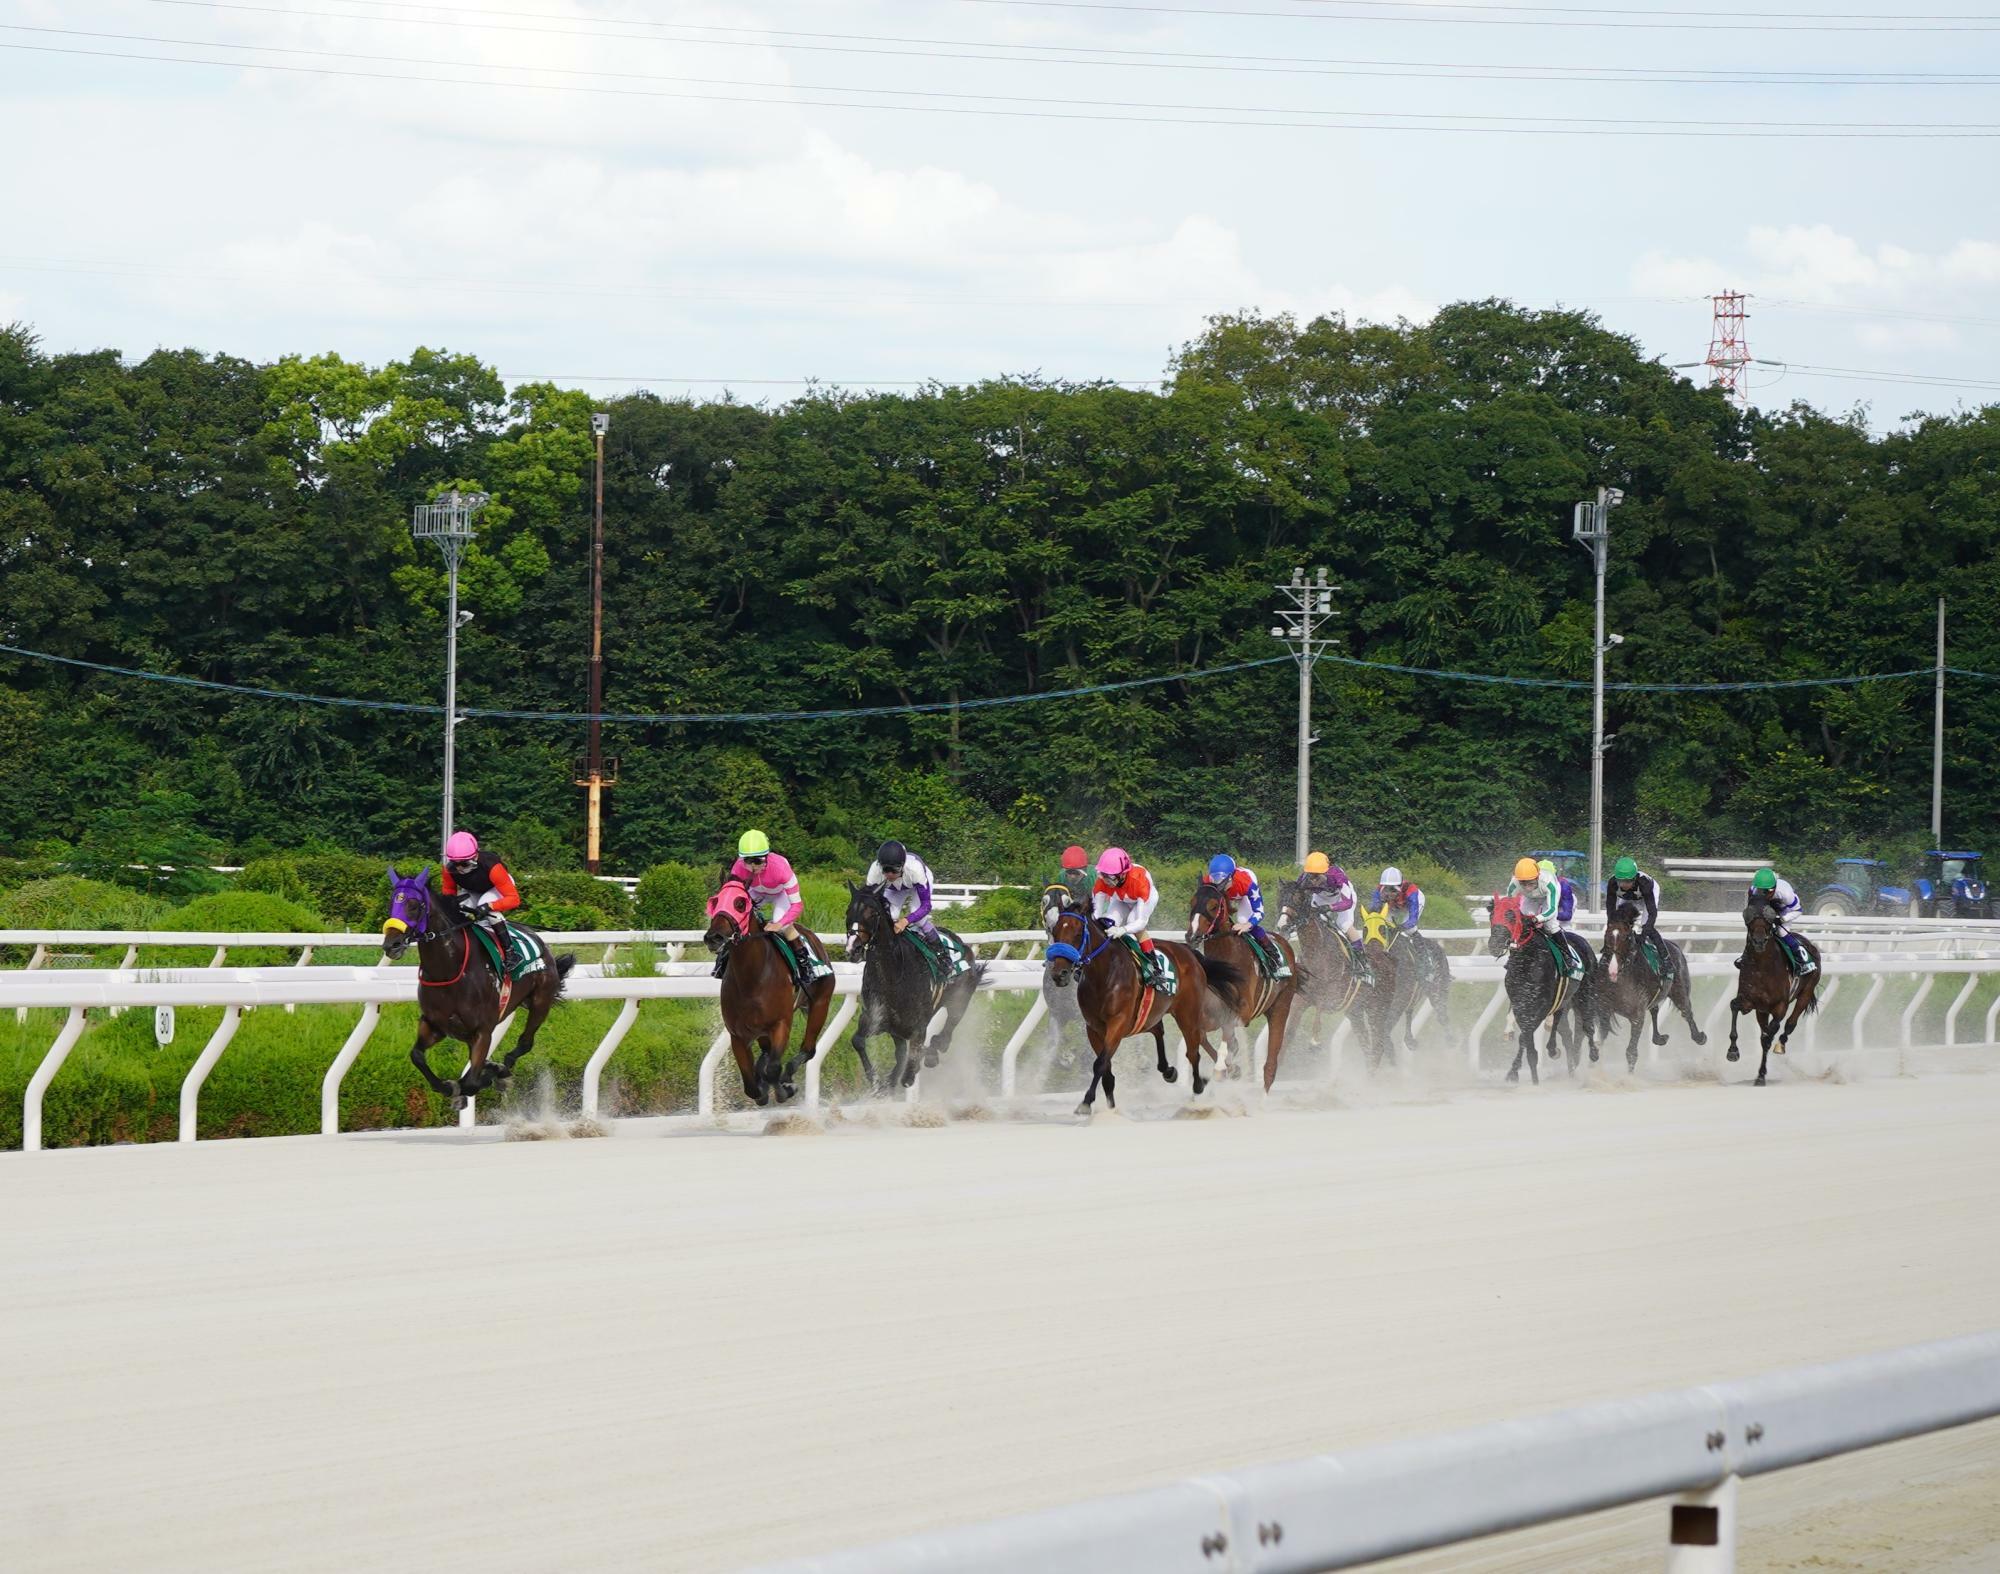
(1339, 1510)
(1930, 949)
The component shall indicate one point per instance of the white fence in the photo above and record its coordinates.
(1924, 949)
(1339, 1510)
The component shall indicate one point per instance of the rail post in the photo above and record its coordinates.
(1701, 1531)
(1907, 1025)
(1037, 1009)
(38, 1084)
(329, 1087)
(1951, 1015)
(827, 1039)
(614, 1035)
(1479, 1027)
(211, 1052)
(1875, 986)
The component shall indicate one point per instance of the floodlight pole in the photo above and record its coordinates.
(448, 522)
(1937, 742)
(593, 769)
(1307, 607)
(1592, 531)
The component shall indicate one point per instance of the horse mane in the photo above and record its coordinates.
(1626, 912)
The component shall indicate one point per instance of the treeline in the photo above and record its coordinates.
(208, 517)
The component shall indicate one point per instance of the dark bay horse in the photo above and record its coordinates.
(760, 997)
(1258, 995)
(1629, 986)
(1424, 974)
(1065, 1021)
(1538, 990)
(1117, 1005)
(458, 994)
(1330, 981)
(1766, 984)
(899, 992)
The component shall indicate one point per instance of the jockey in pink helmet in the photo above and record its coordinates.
(1124, 898)
(481, 883)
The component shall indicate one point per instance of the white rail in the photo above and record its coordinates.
(1338, 1510)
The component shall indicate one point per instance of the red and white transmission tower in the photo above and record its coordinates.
(1729, 347)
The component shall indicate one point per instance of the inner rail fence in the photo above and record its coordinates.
(1337, 1511)
(1940, 952)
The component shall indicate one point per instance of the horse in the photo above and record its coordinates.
(1065, 1020)
(1538, 990)
(1258, 995)
(1766, 984)
(457, 998)
(1117, 1004)
(1330, 980)
(899, 993)
(1428, 973)
(1629, 986)
(759, 996)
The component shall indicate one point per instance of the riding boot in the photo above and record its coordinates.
(802, 961)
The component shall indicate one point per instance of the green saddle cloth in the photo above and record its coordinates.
(816, 967)
(946, 958)
(526, 954)
(1270, 960)
(1156, 971)
(1569, 961)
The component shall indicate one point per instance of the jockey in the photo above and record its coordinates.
(1123, 899)
(1400, 899)
(905, 883)
(1565, 896)
(481, 883)
(1630, 883)
(1541, 900)
(1246, 907)
(1075, 876)
(774, 893)
(1775, 891)
(1332, 898)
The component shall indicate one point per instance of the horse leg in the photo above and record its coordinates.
(478, 1075)
(781, 1070)
(1653, 1016)
(1167, 1072)
(1733, 1014)
(1632, 1048)
(1683, 996)
(906, 1062)
(1528, 1048)
(1100, 1058)
(1520, 1054)
(753, 1085)
(1195, 1079)
(420, 1058)
(1799, 1006)
(819, 1004)
(1766, 1031)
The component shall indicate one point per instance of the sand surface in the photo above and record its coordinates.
(701, 1350)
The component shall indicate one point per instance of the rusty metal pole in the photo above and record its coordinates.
(594, 764)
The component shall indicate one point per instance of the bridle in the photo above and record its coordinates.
(1062, 950)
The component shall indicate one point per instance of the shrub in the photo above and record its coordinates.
(562, 918)
(237, 912)
(526, 843)
(825, 898)
(569, 889)
(672, 896)
(351, 890)
(1004, 909)
(72, 902)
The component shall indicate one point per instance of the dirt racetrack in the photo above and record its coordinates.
(698, 1350)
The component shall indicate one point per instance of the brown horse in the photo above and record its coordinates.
(1259, 995)
(1629, 986)
(1332, 981)
(1117, 1005)
(1766, 984)
(760, 996)
(1539, 989)
(458, 994)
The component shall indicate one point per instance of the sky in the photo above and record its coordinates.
(698, 197)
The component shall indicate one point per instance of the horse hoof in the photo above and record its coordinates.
(1513, 1076)
(1732, 1055)
(1083, 1110)
(1593, 1054)
(1170, 1073)
(1760, 1079)
(930, 1057)
(1700, 1037)
(1661, 1038)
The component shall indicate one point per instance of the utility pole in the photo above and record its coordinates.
(1592, 531)
(1308, 606)
(596, 775)
(448, 522)
(1937, 742)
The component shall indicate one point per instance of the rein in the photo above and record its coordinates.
(464, 962)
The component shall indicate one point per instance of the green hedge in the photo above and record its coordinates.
(350, 890)
(1004, 909)
(70, 901)
(672, 896)
(236, 912)
(569, 889)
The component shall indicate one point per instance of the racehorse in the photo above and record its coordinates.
(759, 995)
(1117, 1004)
(1538, 989)
(1332, 982)
(1426, 977)
(1766, 984)
(1258, 995)
(459, 998)
(1629, 985)
(899, 992)
(1065, 1021)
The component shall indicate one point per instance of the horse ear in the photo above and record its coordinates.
(394, 877)
(425, 877)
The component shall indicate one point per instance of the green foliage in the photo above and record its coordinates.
(993, 910)
(236, 912)
(73, 902)
(560, 918)
(825, 899)
(542, 893)
(351, 890)
(959, 544)
(672, 896)
(638, 959)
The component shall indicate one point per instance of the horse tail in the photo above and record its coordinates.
(1225, 977)
(563, 964)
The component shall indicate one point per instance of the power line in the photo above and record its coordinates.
(1339, 115)
(1675, 20)
(1355, 121)
(1921, 379)
(1124, 56)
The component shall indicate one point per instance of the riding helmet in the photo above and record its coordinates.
(1317, 863)
(1625, 869)
(1765, 879)
(892, 856)
(1075, 857)
(753, 844)
(1391, 877)
(461, 848)
(1220, 868)
(1527, 869)
(1114, 863)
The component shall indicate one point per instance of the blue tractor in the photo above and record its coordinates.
(1859, 888)
(1953, 885)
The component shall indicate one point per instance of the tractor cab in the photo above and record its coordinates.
(1860, 887)
(1570, 864)
(1953, 885)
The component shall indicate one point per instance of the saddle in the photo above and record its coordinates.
(1568, 957)
(527, 953)
(816, 967)
(1797, 957)
(1270, 960)
(1156, 971)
